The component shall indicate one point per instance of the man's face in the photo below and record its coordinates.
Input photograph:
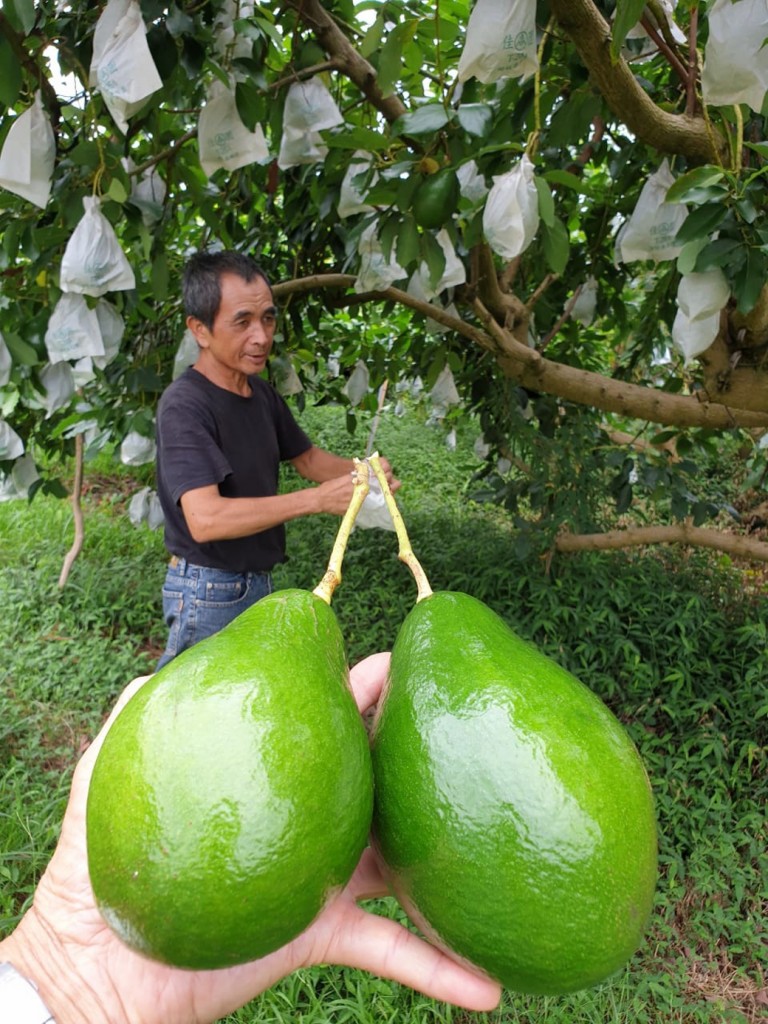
(241, 338)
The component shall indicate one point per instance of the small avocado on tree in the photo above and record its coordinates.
(567, 197)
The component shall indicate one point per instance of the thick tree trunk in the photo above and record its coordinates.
(590, 33)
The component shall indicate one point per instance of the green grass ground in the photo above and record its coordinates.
(675, 643)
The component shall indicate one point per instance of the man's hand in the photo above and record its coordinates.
(86, 975)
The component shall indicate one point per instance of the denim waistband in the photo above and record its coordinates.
(182, 565)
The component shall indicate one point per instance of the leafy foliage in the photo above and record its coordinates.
(390, 66)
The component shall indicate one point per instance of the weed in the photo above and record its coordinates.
(674, 643)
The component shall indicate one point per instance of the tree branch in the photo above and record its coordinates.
(532, 370)
(346, 58)
(77, 513)
(529, 368)
(680, 533)
(669, 133)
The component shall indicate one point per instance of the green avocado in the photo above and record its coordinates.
(435, 199)
(232, 796)
(512, 813)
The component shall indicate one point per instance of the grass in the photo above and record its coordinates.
(674, 642)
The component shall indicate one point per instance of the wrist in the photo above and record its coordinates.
(39, 957)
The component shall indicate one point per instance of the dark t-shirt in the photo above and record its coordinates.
(208, 435)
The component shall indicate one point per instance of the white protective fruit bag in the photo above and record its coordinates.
(186, 354)
(145, 507)
(583, 309)
(471, 183)
(93, 262)
(454, 273)
(309, 109)
(735, 57)
(511, 212)
(356, 387)
(58, 382)
(147, 192)
(11, 445)
(376, 272)
(122, 67)
(444, 394)
(287, 381)
(700, 297)
(73, 330)
(649, 234)
(28, 155)
(136, 449)
(112, 329)
(5, 363)
(351, 200)
(223, 139)
(500, 41)
(374, 514)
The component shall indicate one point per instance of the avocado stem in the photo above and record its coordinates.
(405, 552)
(332, 577)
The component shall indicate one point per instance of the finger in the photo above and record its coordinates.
(383, 947)
(367, 883)
(367, 678)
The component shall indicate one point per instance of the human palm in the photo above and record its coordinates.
(127, 988)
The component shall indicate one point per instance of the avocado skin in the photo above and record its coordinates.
(232, 796)
(435, 199)
(512, 813)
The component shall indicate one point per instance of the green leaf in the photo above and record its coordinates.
(623, 498)
(699, 178)
(407, 242)
(391, 56)
(357, 137)
(716, 253)
(21, 351)
(628, 13)
(250, 103)
(371, 41)
(10, 74)
(749, 280)
(435, 257)
(475, 118)
(546, 202)
(568, 180)
(21, 14)
(556, 245)
(760, 148)
(160, 277)
(747, 210)
(686, 261)
(387, 236)
(116, 191)
(423, 121)
(701, 222)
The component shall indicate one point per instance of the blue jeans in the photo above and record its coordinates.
(199, 601)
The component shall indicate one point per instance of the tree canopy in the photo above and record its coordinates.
(550, 213)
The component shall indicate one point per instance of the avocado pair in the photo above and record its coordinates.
(510, 811)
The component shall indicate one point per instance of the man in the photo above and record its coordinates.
(222, 432)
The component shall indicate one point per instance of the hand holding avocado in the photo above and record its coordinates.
(85, 973)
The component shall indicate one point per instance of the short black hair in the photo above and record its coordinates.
(201, 284)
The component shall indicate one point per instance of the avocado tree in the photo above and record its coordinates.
(553, 212)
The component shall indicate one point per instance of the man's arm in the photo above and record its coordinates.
(318, 465)
(212, 517)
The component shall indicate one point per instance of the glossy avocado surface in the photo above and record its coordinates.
(232, 796)
(512, 812)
